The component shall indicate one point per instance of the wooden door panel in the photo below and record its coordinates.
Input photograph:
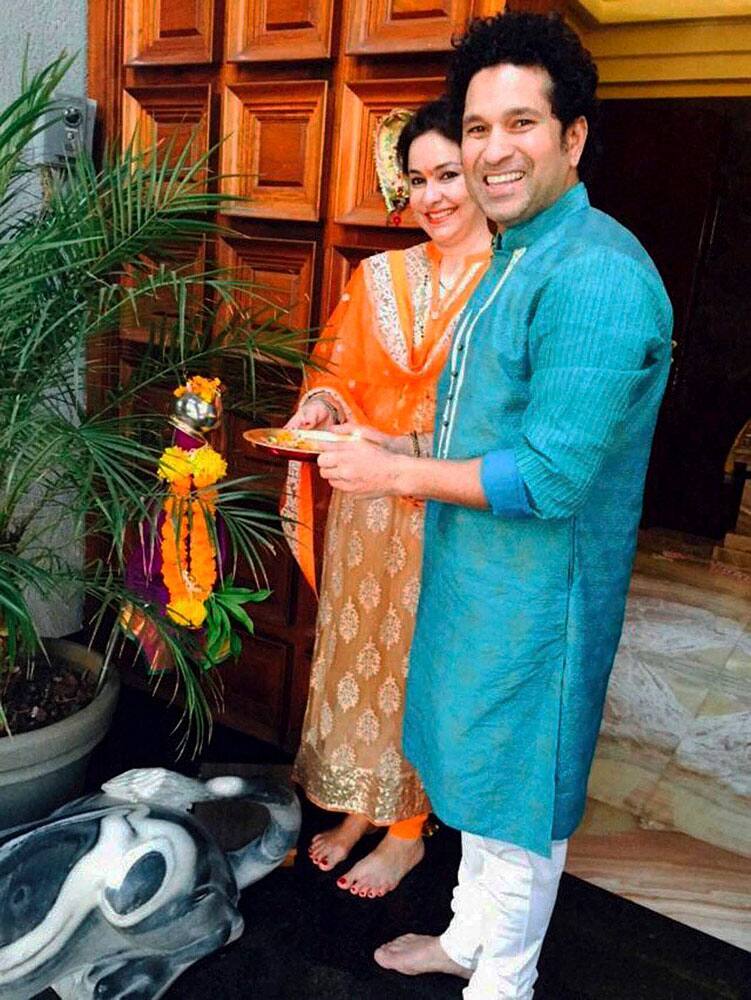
(281, 270)
(171, 117)
(255, 74)
(364, 104)
(341, 262)
(280, 576)
(274, 148)
(279, 30)
(171, 32)
(390, 26)
(256, 686)
(155, 316)
(278, 569)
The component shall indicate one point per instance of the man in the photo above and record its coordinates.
(546, 412)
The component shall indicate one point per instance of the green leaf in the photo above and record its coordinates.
(80, 434)
(240, 615)
(242, 595)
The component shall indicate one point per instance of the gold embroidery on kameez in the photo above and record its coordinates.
(372, 555)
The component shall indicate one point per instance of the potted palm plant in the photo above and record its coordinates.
(81, 437)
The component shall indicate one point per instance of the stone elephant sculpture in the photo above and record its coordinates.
(116, 894)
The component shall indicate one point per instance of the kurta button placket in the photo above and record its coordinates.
(459, 363)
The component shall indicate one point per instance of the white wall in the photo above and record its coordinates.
(50, 26)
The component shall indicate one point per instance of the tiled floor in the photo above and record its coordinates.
(670, 826)
(676, 875)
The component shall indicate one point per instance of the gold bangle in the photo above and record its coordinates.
(415, 441)
(331, 407)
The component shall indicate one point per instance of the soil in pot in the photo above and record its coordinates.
(46, 693)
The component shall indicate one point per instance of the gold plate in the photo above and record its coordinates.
(302, 446)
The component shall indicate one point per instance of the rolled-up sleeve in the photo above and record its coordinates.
(503, 486)
(599, 347)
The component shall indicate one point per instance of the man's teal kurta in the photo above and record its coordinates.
(555, 376)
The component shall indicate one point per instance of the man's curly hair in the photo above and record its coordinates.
(523, 39)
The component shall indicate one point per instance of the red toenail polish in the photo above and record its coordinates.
(342, 882)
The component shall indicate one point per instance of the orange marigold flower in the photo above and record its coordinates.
(189, 567)
(206, 388)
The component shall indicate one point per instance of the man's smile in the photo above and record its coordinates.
(507, 177)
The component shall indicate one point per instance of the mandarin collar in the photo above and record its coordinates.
(528, 232)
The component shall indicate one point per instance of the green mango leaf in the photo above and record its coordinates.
(241, 595)
(241, 615)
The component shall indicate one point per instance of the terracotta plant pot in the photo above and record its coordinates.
(41, 770)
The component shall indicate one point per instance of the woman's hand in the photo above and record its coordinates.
(313, 414)
(398, 444)
(361, 467)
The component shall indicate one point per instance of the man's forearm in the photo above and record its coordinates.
(450, 481)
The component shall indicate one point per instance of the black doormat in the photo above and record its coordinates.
(305, 939)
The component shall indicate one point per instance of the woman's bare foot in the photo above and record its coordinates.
(414, 954)
(383, 869)
(331, 847)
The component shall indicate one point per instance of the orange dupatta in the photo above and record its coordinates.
(381, 353)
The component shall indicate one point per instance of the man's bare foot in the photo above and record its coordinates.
(414, 954)
(383, 869)
(331, 847)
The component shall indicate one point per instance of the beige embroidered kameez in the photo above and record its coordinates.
(351, 754)
(384, 348)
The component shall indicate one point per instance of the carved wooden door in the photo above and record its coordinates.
(295, 88)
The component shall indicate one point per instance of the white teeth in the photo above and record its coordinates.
(510, 175)
(437, 216)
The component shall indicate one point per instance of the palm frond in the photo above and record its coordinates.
(107, 246)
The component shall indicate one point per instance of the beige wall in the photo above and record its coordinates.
(49, 25)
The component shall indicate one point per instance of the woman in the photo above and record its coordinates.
(380, 356)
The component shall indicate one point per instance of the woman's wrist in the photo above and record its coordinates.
(400, 444)
(425, 442)
(326, 400)
(413, 444)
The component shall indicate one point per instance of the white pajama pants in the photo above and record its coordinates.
(502, 907)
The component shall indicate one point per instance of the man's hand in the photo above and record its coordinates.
(361, 467)
(368, 467)
(312, 415)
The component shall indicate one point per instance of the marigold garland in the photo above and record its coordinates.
(187, 533)
(206, 388)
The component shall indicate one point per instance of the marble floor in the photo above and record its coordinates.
(669, 818)
(688, 880)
